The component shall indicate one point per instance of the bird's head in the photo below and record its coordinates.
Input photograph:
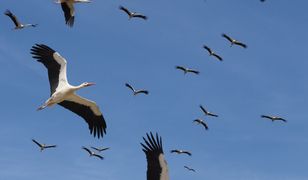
(87, 84)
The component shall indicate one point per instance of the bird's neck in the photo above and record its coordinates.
(75, 88)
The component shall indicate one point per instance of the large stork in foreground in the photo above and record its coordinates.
(18, 25)
(157, 165)
(63, 93)
(68, 9)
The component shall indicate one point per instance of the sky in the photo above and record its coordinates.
(269, 77)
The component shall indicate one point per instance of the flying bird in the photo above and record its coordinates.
(233, 41)
(69, 10)
(18, 25)
(212, 53)
(157, 168)
(207, 112)
(43, 146)
(133, 14)
(100, 149)
(63, 94)
(136, 92)
(274, 118)
(190, 169)
(177, 151)
(187, 70)
(91, 153)
(200, 121)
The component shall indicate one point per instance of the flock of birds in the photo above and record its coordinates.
(64, 94)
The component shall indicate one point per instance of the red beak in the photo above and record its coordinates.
(91, 84)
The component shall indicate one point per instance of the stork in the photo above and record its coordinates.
(187, 70)
(212, 53)
(18, 25)
(63, 94)
(133, 14)
(178, 151)
(91, 153)
(68, 9)
(234, 41)
(200, 121)
(157, 168)
(100, 149)
(207, 112)
(189, 169)
(43, 146)
(274, 118)
(136, 92)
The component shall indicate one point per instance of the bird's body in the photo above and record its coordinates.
(274, 118)
(69, 10)
(100, 149)
(133, 14)
(177, 151)
(207, 112)
(63, 93)
(187, 70)
(157, 168)
(234, 41)
(136, 92)
(17, 24)
(43, 146)
(200, 121)
(190, 169)
(91, 153)
(212, 53)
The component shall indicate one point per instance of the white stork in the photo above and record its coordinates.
(234, 41)
(91, 153)
(132, 14)
(68, 9)
(17, 24)
(43, 146)
(63, 93)
(274, 118)
(157, 165)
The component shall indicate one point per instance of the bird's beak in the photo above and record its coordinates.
(91, 84)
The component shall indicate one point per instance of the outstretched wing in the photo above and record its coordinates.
(88, 150)
(55, 64)
(193, 71)
(37, 143)
(99, 156)
(142, 91)
(125, 10)
(203, 110)
(69, 12)
(207, 48)
(157, 168)
(129, 86)
(51, 146)
(181, 68)
(227, 37)
(218, 57)
(240, 44)
(13, 17)
(89, 111)
(140, 16)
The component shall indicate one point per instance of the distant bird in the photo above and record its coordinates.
(200, 121)
(190, 169)
(133, 14)
(262, 0)
(18, 25)
(157, 168)
(136, 92)
(43, 146)
(100, 149)
(187, 70)
(207, 112)
(63, 93)
(274, 118)
(68, 9)
(233, 41)
(212, 53)
(180, 152)
(91, 153)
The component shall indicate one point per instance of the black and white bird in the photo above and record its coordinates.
(274, 118)
(212, 53)
(91, 153)
(69, 10)
(100, 149)
(43, 146)
(178, 151)
(234, 41)
(136, 92)
(190, 169)
(133, 14)
(63, 94)
(187, 70)
(157, 168)
(200, 121)
(18, 25)
(207, 112)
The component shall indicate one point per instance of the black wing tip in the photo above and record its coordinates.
(70, 21)
(153, 143)
(98, 129)
(8, 12)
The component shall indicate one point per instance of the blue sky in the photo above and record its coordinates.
(269, 77)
